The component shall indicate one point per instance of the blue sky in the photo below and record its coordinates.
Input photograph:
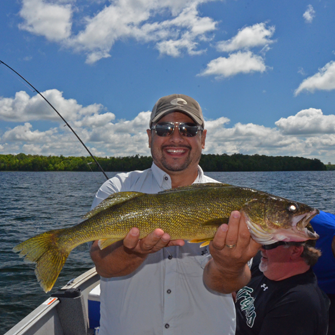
(263, 72)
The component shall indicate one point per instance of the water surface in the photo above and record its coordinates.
(34, 202)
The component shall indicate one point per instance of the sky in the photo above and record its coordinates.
(262, 71)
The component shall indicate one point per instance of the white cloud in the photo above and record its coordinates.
(95, 120)
(307, 122)
(51, 20)
(309, 14)
(248, 37)
(142, 20)
(243, 61)
(240, 62)
(23, 108)
(174, 48)
(309, 133)
(24, 133)
(323, 80)
(258, 139)
(92, 124)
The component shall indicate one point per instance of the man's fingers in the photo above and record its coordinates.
(245, 239)
(132, 238)
(254, 247)
(227, 235)
(179, 243)
(233, 231)
(153, 242)
(148, 242)
(219, 240)
(160, 243)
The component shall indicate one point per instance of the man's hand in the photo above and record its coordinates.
(153, 242)
(231, 249)
(124, 257)
(232, 246)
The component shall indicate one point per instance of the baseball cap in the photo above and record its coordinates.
(177, 102)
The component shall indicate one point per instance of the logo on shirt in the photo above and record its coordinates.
(264, 287)
(247, 305)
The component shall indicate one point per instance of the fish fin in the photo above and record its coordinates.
(48, 254)
(112, 200)
(205, 241)
(216, 222)
(103, 243)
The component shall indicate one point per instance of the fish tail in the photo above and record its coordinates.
(49, 255)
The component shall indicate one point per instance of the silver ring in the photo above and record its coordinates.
(230, 246)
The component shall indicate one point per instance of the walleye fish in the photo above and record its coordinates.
(191, 213)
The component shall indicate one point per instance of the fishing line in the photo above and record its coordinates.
(36, 90)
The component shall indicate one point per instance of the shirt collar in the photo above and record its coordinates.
(164, 180)
(200, 176)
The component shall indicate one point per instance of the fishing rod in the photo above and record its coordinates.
(36, 90)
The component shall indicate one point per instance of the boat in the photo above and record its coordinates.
(72, 310)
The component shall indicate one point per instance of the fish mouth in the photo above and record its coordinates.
(303, 219)
(298, 231)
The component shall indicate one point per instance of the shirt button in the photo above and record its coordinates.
(166, 178)
(170, 257)
(168, 291)
(167, 326)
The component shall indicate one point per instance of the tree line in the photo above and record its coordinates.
(209, 162)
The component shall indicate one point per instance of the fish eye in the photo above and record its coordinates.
(292, 208)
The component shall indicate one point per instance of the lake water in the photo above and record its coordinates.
(34, 202)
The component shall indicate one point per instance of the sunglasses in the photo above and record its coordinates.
(274, 245)
(185, 129)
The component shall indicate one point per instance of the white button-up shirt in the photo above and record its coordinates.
(166, 294)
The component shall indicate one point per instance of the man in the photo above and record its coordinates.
(283, 296)
(156, 285)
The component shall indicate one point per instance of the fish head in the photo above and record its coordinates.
(271, 219)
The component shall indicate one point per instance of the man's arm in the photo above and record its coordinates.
(228, 270)
(124, 257)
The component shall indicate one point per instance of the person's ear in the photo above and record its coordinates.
(297, 251)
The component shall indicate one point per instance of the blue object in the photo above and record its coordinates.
(94, 313)
(94, 307)
(324, 225)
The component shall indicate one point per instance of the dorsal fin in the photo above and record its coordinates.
(112, 200)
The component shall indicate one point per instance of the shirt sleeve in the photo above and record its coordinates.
(112, 185)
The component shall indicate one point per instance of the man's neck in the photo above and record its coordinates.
(291, 269)
(183, 179)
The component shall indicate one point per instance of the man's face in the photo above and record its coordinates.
(176, 152)
(276, 264)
